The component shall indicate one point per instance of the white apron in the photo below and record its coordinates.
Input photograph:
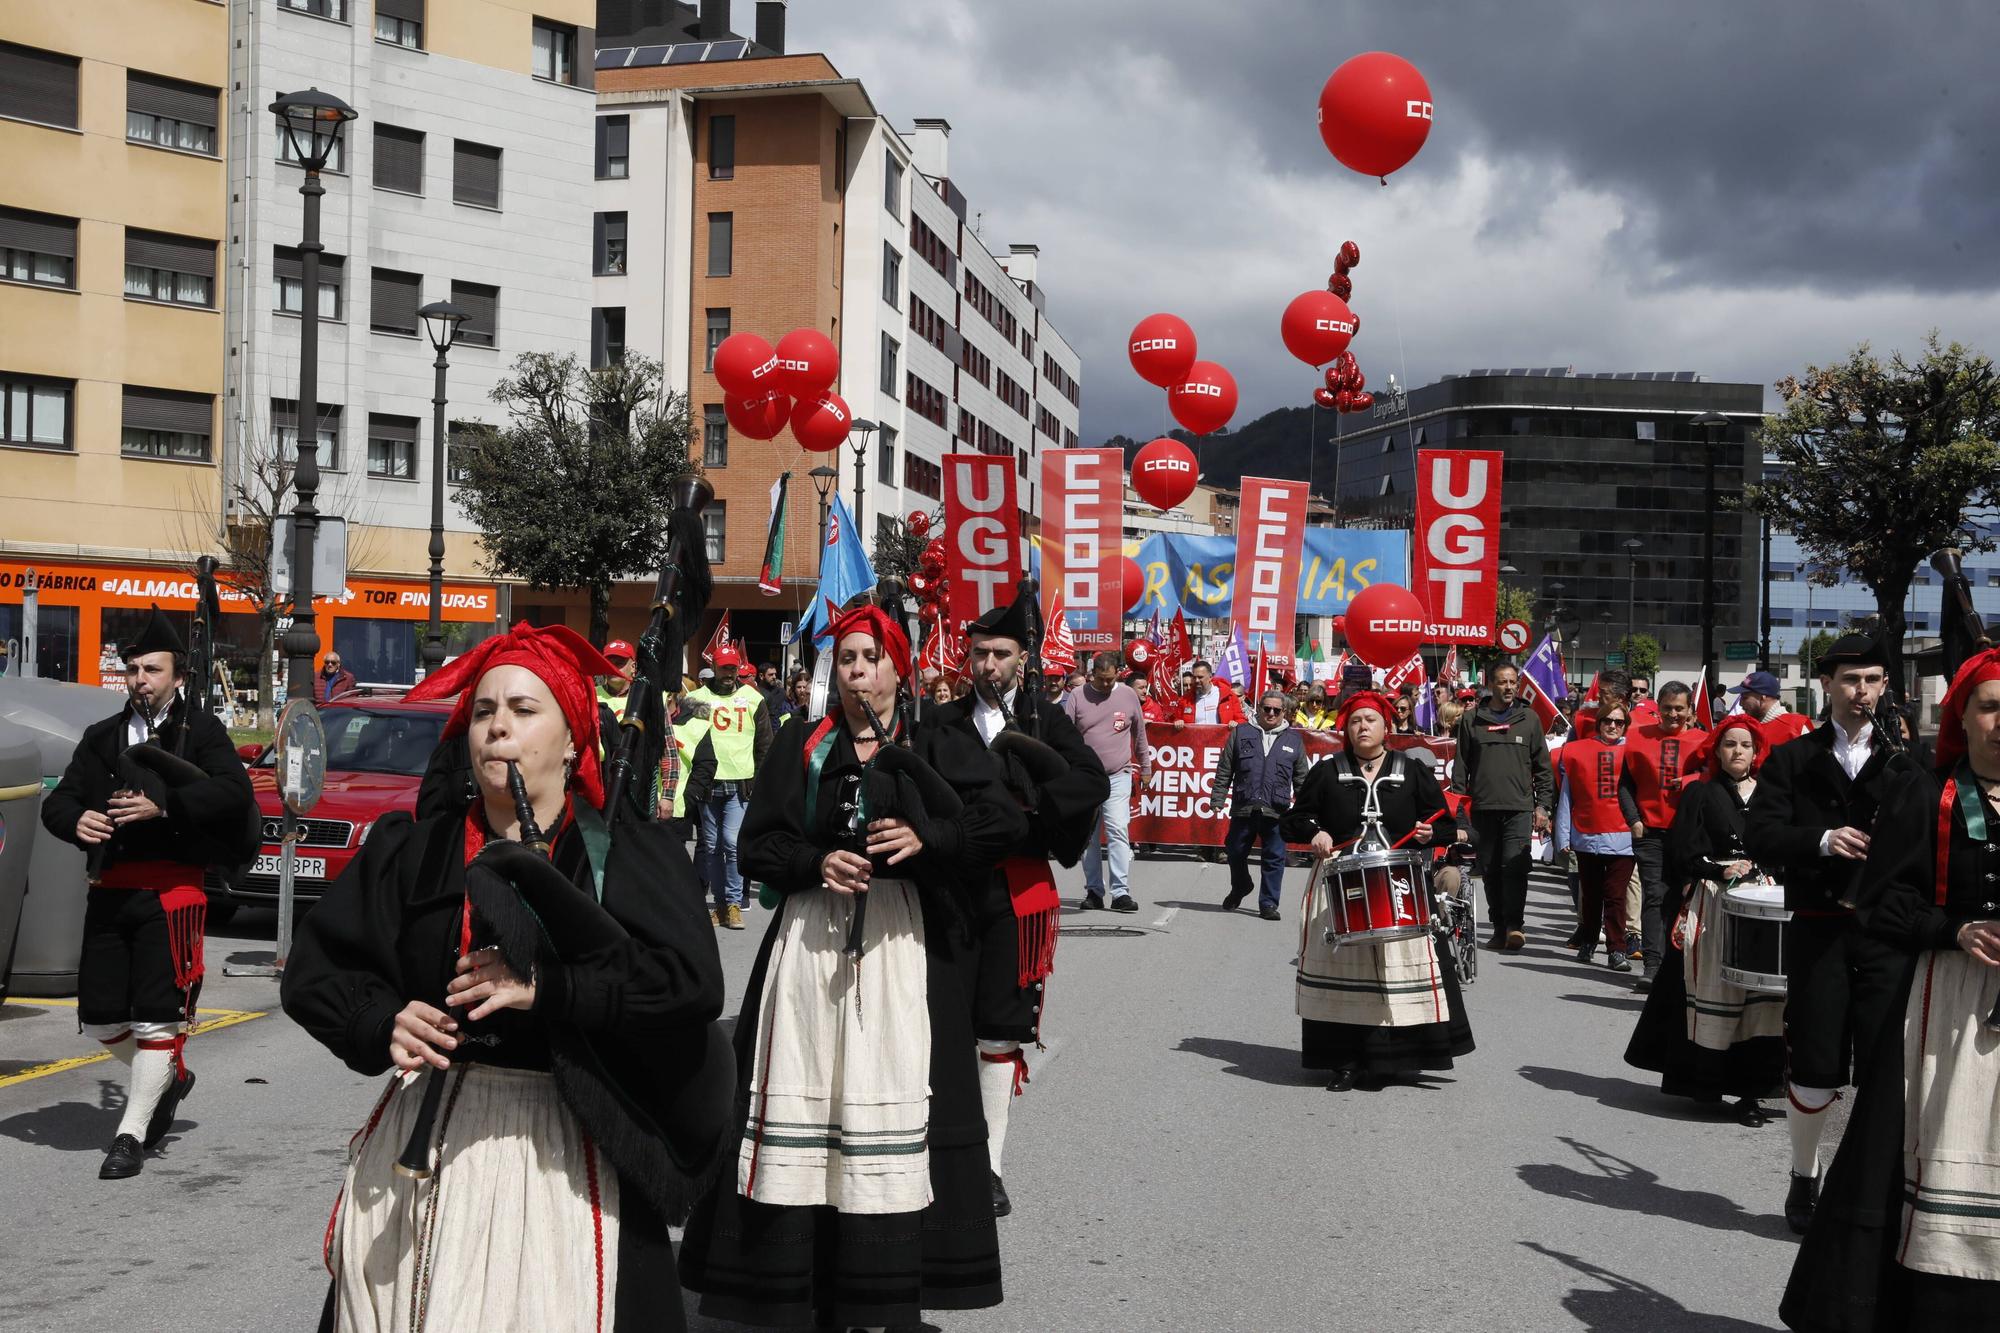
(1951, 1119)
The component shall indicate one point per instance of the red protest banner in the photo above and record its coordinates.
(982, 528)
(1270, 540)
(1457, 567)
(1083, 494)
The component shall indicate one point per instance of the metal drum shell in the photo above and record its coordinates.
(1754, 912)
(1368, 917)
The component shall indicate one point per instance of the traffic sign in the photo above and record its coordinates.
(1614, 659)
(1740, 650)
(1513, 636)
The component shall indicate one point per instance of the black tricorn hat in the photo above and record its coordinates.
(158, 636)
(1009, 621)
(1853, 650)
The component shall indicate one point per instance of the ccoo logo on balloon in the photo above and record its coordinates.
(1156, 345)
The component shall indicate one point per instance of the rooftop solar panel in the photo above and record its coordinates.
(687, 53)
(729, 50)
(613, 57)
(650, 55)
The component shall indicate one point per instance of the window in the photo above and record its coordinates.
(326, 9)
(892, 276)
(336, 161)
(35, 411)
(463, 439)
(167, 113)
(160, 423)
(890, 374)
(1013, 395)
(399, 159)
(715, 524)
(561, 56)
(1644, 430)
(393, 299)
(718, 329)
(608, 245)
(975, 363)
(981, 298)
(392, 447)
(37, 247)
(721, 148)
(926, 400)
(159, 267)
(481, 305)
(923, 477)
(885, 458)
(288, 283)
(929, 325)
(614, 147)
(400, 23)
(37, 85)
(285, 431)
(607, 336)
(714, 436)
(721, 244)
(475, 174)
(892, 184)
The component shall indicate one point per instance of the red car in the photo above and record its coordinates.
(376, 750)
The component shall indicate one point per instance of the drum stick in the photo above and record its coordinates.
(1421, 823)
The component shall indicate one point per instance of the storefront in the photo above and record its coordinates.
(84, 611)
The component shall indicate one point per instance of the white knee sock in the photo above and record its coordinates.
(152, 1073)
(996, 1095)
(1806, 1123)
(116, 1038)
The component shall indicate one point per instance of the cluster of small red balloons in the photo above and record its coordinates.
(1317, 327)
(1200, 394)
(765, 388)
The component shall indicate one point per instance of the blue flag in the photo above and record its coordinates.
(844, 572)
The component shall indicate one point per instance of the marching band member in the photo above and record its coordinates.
(553, 1124)
(1369, 1012)
(1707, 1036)
(154, 794)
(1904, 1236)
(863, 1191)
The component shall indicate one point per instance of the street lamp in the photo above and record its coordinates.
(864, 428)
(1712, 425)
(441, 321)
(1632, 548)
(1605, 618)
(824, 479)
(311, 122)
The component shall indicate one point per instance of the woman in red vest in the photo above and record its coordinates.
(1590, 823)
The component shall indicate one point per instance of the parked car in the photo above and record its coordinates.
(377, 747)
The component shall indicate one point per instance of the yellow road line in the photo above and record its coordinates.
(219, 1018)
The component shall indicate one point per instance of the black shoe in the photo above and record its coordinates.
(1498, 942)
(1618, 962)
(1585, 953)
(1800, 1200)
(163, 1114)
(1123, 903)
(1091, 903)
(123, 1161)
(1270, 913)
(1342, 1080)
(1645, 981)
(1002, 1205)
(1234, 899)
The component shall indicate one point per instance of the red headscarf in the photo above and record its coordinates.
(561, 659)
(1370, 699)
(882, 627)
(1951, 715)
(1759, 743)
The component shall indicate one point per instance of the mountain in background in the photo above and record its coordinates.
(1281, 443)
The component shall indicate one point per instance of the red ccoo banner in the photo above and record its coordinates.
(1083, 497)
(1270, 541)
(982, 530)
(1457, 566)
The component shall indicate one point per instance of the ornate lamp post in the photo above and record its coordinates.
(824, 479)
(1712, 425)
(864, 428)
(441, 321)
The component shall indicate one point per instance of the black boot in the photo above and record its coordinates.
(123, 1161)
(1800, 1201)
(1234, 899)
(163, 1114)
(1342, 1080)
(1002, 1205)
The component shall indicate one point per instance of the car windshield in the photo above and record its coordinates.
(358, 741)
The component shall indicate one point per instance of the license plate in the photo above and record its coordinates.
(303, 867)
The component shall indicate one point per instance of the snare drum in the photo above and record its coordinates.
(1375, 897)
(1753, 937)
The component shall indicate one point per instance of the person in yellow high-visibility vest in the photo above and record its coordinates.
(740, 731)
(611, 692)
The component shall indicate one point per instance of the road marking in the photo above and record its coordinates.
(1164, 917)
(218, 1018)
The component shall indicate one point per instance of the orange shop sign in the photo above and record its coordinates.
(63, 584)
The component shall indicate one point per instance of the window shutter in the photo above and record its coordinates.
(181, 254)
(163, 409)
(288, 264)
(392, 428)
(39, 232)
(392, 299)
(37, 85)
(413, 10)
(614, 135)
(155, 96)
(597, 243)
(481, 305)
(399, 159)
(475, 174)
(586, 57)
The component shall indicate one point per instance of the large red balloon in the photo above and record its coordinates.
(760, 416)
(1135, 583)
(1385, 623)
(1317, 326)
(1138, 654)
(820, 424)
(1375, 113)
(808, 363)
(744, 364)
(1205, 400)
(1162, 349)
(1164, 473)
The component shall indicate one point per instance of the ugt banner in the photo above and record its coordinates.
(1458, 543)
(1270, 534)
(1083, 493)
(982, 530)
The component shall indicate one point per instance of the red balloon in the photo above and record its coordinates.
(1139, 654)
(920, 584)
(1316, 327)
(1385, 623)
(1355, 381)
(744, 364)
(1362, 401)
(1375, 113)
(808, 363)
(1340, 285)
(1134, 582)
(1326, 398)
(760, 416)
(820, 424)
(1349, 257)
(1164, 473)
(1343, 401)
(918, 522)
(1162, 349)
(1205, 400)
(1345, 362)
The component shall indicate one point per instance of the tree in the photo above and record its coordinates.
(898, 551)
(1878, 465)
(1812, 650)
(1510, 603)
(1642, 655)
(572, 492)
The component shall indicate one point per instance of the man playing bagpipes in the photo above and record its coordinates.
(1061, 784)
(154, 795)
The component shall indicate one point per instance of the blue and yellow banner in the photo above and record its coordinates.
(1198, 574)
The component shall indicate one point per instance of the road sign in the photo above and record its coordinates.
(1740, 650)
(1614, 659)
(1513, 636)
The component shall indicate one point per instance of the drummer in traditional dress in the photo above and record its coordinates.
(862, 1194)
(1708, 1036)
(1906, 1235)
(1371, 1011)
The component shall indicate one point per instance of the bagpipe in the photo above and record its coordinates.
(1030, 761)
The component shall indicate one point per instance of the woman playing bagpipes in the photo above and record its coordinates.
(862, 1194)
(548, 1016)
(1368, 1012)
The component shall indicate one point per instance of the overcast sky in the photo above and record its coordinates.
(1733, 188)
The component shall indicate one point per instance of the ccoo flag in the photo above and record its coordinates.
(1542, 681)
(844, 571)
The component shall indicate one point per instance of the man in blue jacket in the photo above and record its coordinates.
(1260, 768)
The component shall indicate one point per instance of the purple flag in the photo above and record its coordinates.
(1542, 681)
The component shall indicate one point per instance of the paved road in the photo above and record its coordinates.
(1172, 1167)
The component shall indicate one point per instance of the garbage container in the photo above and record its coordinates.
(20, 821)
